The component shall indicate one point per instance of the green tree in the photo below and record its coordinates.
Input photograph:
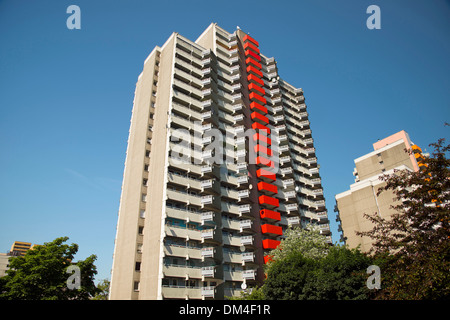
(413, 245)
(339, 275)
(103, 287)
(41, 274)
(308, 242)
(306, 267)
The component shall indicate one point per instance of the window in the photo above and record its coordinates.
(142, 213)
(138, 266)
(139, 248)
(141, 231)
(144, 197)
(136, 286)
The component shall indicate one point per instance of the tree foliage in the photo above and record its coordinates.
(41, 274)
(339, 275)
(413, 245)
(306, 267)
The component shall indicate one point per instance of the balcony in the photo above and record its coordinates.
(247, 240)
(269, 215)
(247, 257)
(253, 70)
(291, 207)
(266, 175)
(261, 161)
(322, 215)
(289, 194)
(324, 228)
(259, 118)
(249, 274)
(293, 220)
(256, 97)
(270, 244)
(267, 188)
(208, 272)
(259, 126)
(207, 217)
(271, 230)
(261, 149)
(256, 107)
(245, 208)
(287, 183)
(268, 202)
(254, 79)
(245, 224)
(243, 194)
(208, 252)
(287, 172)
(208, 292)
(250, 61)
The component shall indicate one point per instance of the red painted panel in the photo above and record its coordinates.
(256, 88)
(257, 106)
(248, 38)
(257, 97)
(269, 214)
(263, 161)
(259, 148)
(252, 77)
(269, 201)
(252, 61)
(259, 126)
(263, 138)
(264, 186)
(249, 45)
(249, 53)
(269, 228)
(257, 116)
(262, 173)
(254, 70)
(270, 244)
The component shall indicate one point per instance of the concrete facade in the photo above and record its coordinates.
(389, 154)
(200, 229)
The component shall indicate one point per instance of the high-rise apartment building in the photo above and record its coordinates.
(196, 221)
(19, 248)
(389, 154)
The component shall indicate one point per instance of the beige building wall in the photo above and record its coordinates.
(193, 231)
(390, 154)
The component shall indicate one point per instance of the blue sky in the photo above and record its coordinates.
(66, 95)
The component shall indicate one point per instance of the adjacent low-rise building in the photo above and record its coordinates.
(391, 153)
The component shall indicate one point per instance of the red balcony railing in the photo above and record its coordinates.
(270, 229)
(267, 187)
(270, 244)
(255, 71)
(259, 126)
(254, 96)
(252, 77)
(254, 87)
(263, 173)
(248, 38)
(269, 215)
(269, 201)
(259, 118)
(251, 61)
(261, 161)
